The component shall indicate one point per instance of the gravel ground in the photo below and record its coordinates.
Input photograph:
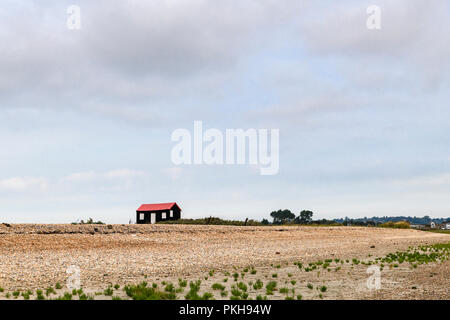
(37, 256)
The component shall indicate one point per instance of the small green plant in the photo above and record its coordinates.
(108, 291)
(83, 297)
(299, 297)
(66, 296)
(258, 284)
(143, 292)
(40, 296)
(274, 275)
(169, 288)
(284, 290)
(49, 291)
(242, 286)
(116, 286)
(218, 286)
(193, 292)
(182, 283)
(293, 282)
(310, 286)
(26, 295)
(58, 286)
(270, 287)
(236, 292)
(323, 288)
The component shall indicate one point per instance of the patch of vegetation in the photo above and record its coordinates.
(218, 286)
(270, 287)
(66, 296)
(169, 288)
(213, 221)
(258, 284)
(396, 225)
(242, 286)
(49, 291)
(84, 296)
(193, 292)
(235, 292)
(88, 221)
(143, 292)
(108, 291)
(182, 283)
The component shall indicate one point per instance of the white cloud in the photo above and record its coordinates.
(21, 184)
(173, 173)
(123, 174)
(425, 180)
(413, 38)
(81, 176)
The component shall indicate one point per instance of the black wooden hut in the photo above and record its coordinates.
(152, 213)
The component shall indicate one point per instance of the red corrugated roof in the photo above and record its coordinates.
(158, 206)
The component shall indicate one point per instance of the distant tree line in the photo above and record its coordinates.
(305, 217)
(286, 216)
(375, 221)
(88, 221)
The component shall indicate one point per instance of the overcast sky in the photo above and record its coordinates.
(86, 115)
